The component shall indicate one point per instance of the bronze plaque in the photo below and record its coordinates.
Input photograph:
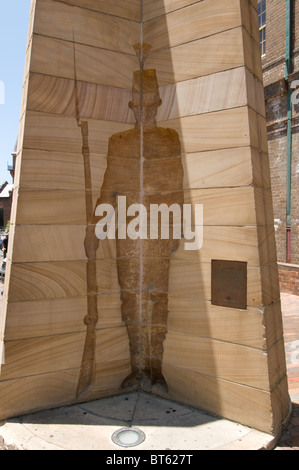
(229, 284)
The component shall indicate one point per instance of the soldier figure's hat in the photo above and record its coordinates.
(145, 90)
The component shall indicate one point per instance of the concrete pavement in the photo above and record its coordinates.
(290, 311)
(164, 425)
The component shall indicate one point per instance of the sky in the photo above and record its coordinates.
(14, 21)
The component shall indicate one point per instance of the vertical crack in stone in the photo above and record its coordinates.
(141, 191)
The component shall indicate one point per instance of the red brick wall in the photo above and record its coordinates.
(276, 113)
(273, 62)
(289, 278)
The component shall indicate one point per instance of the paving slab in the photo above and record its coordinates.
(164, 425)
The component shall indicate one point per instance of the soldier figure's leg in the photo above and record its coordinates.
(137, 334)
(157, 337)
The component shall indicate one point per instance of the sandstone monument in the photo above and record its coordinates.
(150, 102)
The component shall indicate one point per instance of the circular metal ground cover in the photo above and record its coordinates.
(128, 437)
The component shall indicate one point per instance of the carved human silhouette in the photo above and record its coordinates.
(144, 165)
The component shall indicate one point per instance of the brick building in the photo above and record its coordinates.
(279, 35)
(6, 191)
(5, 204)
